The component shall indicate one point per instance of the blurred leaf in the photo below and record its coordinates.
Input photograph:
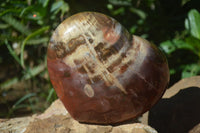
(27, 96)
(25, 10)
(18, 3)
(184, 2)
(16, 24)
(139, 12)
(120, 2)
(191, 70)
(44, 2)
(4, 26)
(170, 46)
(110, 6)
(59, 6)
(12, 52)
(193, 23)
(144, 36)
(9, 82)
(172, 71)
(38, 41)
(35, 12)
(33, 71)
(64, 8)
(10, 38)
(10, 11)
(28, 74)
(187, 26)
(37, 32)
(118, 11)
(19, 106)
(195, 43)
(51, 92)
(56, 5)
(133, 29)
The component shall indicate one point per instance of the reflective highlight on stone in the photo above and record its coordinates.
(101, 73)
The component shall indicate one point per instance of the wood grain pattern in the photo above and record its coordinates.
(101, 73)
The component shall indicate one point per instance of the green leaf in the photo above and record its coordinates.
(29, 8)
(33, 71)
(10, 11)
(4, 26)
(118, 11)
(138, 12)
(195, 43)
(28, 74)
(44, 2)
(37, 32)
(56, 6)
(180, 44)
(172, 71)
(16, 24)
(110, 6)
(184, 2)
(120, 2)
(193, 23)
(191, 70)
(59, 6)
(133, 29)
(170, 46)
(9, 82)
(12, 52)
(64, 8)
(19, 106)
(38, 41)
(187, 26)
(50, 94)
(23, 99)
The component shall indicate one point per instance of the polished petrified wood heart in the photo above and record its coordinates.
(101, 73)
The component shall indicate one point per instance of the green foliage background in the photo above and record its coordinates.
(26, 26)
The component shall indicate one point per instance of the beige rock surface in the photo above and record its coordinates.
(56, 120)
(196, 129)
(182, 84)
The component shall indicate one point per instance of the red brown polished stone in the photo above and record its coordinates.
(101, 73)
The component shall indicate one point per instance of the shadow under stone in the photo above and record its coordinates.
(178, 114)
